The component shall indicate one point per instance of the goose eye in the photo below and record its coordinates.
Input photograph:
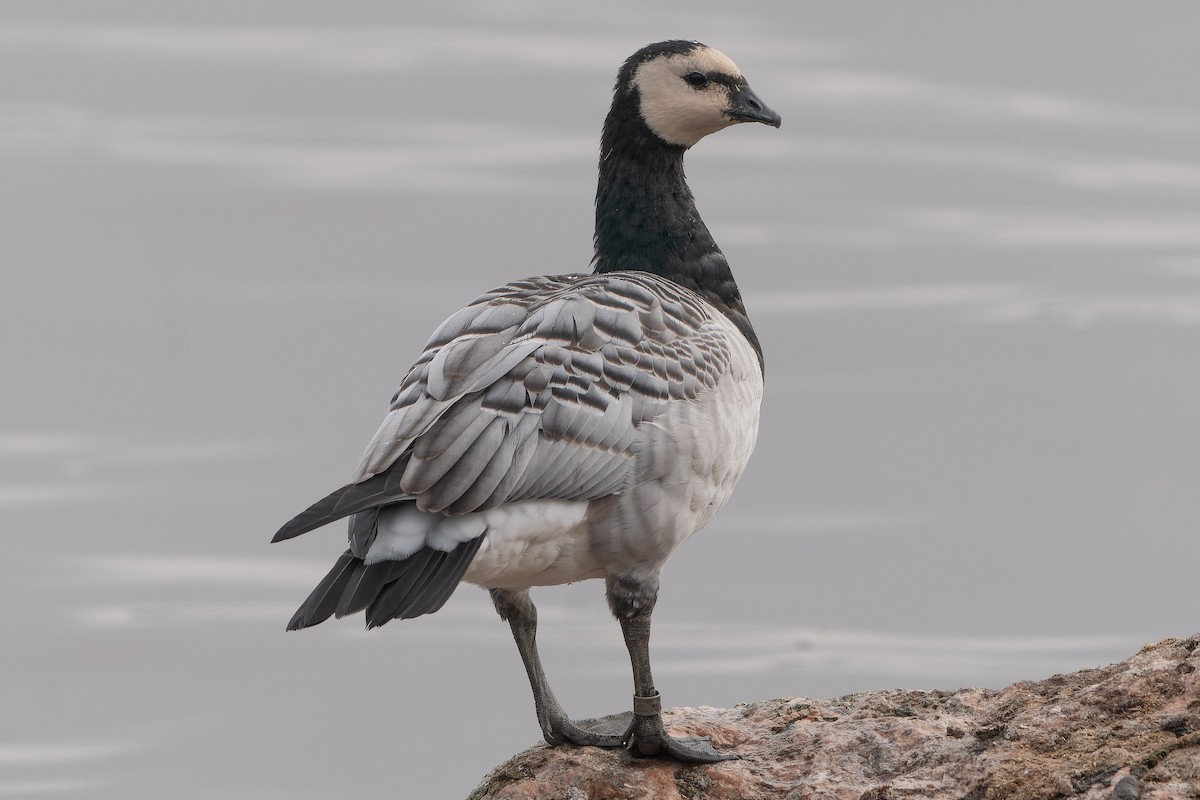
(695, 79)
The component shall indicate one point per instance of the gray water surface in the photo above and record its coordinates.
(972, 254)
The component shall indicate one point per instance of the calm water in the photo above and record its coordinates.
(972, 253)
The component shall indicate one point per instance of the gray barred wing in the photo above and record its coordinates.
(539, 389)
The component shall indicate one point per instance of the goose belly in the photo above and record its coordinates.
(534, 543)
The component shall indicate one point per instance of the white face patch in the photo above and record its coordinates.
(677, 112)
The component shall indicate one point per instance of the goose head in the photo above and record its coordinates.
(686, 90)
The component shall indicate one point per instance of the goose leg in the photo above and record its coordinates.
(632, 602)
(516, 608)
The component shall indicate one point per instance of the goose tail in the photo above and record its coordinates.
(419, 584)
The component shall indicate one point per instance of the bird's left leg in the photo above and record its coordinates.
(632, 600)
(518, 610)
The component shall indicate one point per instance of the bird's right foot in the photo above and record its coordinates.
(648, 736)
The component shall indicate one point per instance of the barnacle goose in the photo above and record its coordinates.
(567, 427)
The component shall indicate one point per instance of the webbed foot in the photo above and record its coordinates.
(607, 731)
(647, 736)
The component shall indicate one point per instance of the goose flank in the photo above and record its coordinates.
(566, 427)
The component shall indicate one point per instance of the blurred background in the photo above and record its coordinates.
(226, 229)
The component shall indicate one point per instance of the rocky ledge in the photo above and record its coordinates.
(1129, 731)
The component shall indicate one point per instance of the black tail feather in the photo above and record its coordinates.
(322, 602)
(428, 592)
(393, 601)
(367, 583)
(436, 594)
(420, 584)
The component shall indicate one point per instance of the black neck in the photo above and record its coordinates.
(646, 217)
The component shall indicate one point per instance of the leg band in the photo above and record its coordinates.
(647, 706)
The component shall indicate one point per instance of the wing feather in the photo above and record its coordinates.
(466, 468)
(350, 499)
(363, 526)
(526, 437)
(492, 475)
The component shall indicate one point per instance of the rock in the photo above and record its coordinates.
(1129, 731)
